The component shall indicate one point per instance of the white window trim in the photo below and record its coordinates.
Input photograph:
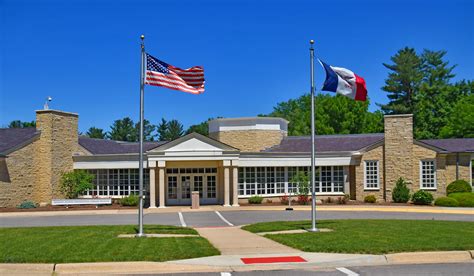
(365, 176)
(435, 175)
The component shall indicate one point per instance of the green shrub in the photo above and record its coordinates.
(27, 205)
(422, 198)
(458, 186)
(255, 200)
(401, 193)
(446, 201)
(370, 199)
(76, 182)
(131, 200)
(464, 199)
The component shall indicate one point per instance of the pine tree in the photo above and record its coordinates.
(175, 129)
(123, 130)
(94, 132)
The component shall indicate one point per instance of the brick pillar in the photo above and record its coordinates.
(398, 150)
(57, 144)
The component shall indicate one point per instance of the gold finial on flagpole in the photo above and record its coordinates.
(142, 37)
(311, 41)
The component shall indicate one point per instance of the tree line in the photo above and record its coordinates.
(418, 83)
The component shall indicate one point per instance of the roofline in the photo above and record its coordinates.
(59, 112)
(300, 154)
(248, 118)
(22, 145)
(428, 146)
(338, 135)
(190, 136)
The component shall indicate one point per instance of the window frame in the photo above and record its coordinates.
(435, 175)
(367, 188)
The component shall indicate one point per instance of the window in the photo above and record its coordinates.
(241, 181)
(338, 179)
(371, 175)
(261, 181)
(117, 182)
(427, 174)
(292, 186)
(326, 180)
(280, 180)
(249, 181)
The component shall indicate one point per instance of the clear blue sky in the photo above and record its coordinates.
(85, 54)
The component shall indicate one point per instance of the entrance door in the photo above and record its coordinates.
(181, 184)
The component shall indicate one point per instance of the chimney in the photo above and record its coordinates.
(58, 141)
(398, 150)
(252, 134)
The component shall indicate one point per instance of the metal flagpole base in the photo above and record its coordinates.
(313, 230)
(140, 235)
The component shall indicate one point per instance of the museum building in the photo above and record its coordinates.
(240, 158)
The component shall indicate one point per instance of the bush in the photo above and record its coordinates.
(255, 200)
(329, 200)
(370, 199)
(422, 198)
(76, 182)
(303, 199)
(458, 186)
(464, 199)
(27, 205)
(401, 193)
(284, 200)
(343, 199)
(131, 200)
(446, 201)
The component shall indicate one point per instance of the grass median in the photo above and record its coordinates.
(373, 236)
(72, 244)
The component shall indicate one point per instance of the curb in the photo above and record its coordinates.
(179, 266)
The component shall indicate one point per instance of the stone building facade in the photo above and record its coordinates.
(240, 158)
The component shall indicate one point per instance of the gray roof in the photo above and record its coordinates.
(452, 144)
(327, 143)
(102, 146)
(13, 138)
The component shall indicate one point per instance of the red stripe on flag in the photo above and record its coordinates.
(361, 90)
(269, 260)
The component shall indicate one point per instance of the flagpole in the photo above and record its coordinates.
(313, 169)
(142, 100)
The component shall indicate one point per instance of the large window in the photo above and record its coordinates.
(117, 182)
(427, 174)
(371, 175)
(278, 180)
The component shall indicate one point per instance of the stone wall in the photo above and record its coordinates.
(250, 140)
(375, 154)
(54, 150)
(17, 176)
(398, 150)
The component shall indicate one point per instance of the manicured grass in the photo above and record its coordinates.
(373, 236)
(72, 244)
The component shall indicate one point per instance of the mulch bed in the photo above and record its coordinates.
(71, 208)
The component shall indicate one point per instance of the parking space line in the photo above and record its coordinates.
(226, 274)
(181, 219)
(347, 271)
(223, 218)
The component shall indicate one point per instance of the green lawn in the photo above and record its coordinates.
(373, 236)
(71, 244)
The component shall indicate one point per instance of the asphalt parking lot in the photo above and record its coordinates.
(212, 219)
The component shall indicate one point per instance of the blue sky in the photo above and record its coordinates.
(85, 54)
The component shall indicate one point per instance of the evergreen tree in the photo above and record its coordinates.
(162, 130)
(175, 129)
(123, 130)
(402, 82)
(21, 124)
(148, 131)
(98, 133)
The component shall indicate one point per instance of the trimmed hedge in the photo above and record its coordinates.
(131, 200)
(27, 205)
(464, 199)
(458, 186)
(255, 200)
(422, 198)
(370, 199)
(446, 202)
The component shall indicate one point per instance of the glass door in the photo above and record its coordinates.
(185, 191)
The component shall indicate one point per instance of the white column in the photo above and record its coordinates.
(235, 188)
(226, 164)
(161, 183)
(152, 185)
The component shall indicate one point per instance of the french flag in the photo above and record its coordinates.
(344, 82)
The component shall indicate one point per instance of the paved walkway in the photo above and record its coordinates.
(235, 241)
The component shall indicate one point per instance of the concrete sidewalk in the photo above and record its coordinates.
(235, 241)
(212, 208)
(230, 263)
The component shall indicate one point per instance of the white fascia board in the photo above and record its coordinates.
(295, 162)
(109, 165)
(191, 158)
(193, 153)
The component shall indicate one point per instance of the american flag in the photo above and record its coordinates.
(159, 73)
